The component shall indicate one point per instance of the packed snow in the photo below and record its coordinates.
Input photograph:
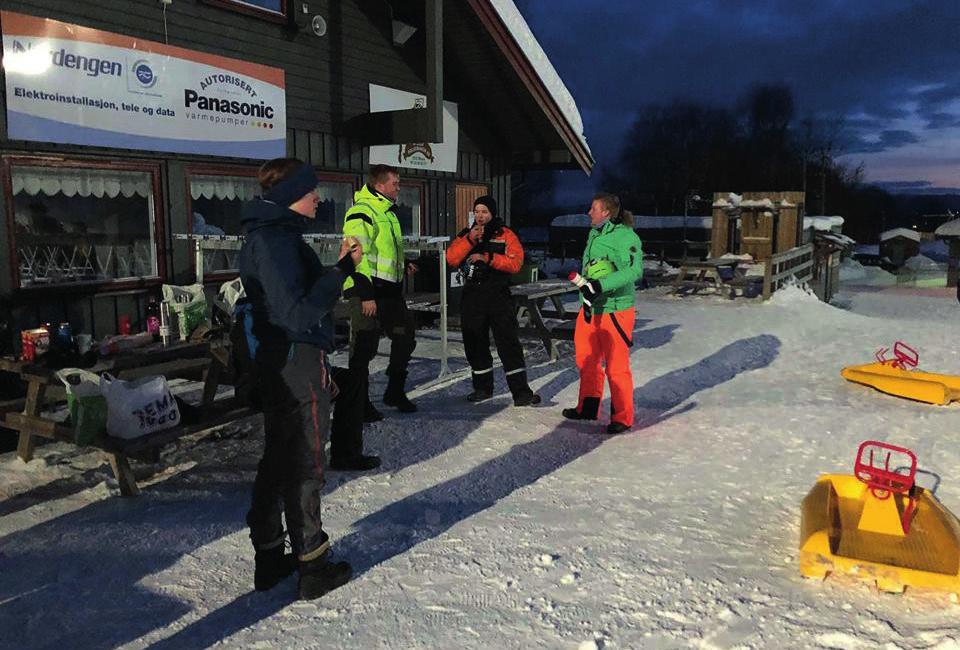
(491, 526)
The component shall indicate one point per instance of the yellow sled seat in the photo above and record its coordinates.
(898, 540)
(926, 387)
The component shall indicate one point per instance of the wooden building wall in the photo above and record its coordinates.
(326, 83)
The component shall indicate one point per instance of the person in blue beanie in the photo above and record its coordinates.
(291, 296)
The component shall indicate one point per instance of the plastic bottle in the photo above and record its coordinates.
(153, 316)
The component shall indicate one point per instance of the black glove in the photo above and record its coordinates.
(591, 289)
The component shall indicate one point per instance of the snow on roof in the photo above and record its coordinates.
(900, 232)
(948, 229)
(517, 25)
(818, 222)
(836, 238)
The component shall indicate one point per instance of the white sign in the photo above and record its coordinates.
(438, 156)
(77, 85)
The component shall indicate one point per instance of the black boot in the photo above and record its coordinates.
(590, 410)
(482, 386)
(522, 394)
(370, 412)
(272, 566)
(320, 576)
(396, 396)
(617, 427)
(359, 463)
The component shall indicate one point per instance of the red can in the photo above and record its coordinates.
(28, 350)
(124, 324)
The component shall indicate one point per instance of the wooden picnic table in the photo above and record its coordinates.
(707, 274)
(187, 358)
(531, 298)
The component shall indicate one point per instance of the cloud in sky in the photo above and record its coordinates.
(888, 67)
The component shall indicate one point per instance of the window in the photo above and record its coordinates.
(275, 10)
(336, 197)
(83, 222)
(409, 208)
(215, 200)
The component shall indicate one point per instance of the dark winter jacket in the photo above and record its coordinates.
(291, 292)
(500, 246)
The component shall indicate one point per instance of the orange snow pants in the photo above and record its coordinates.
(601, 351)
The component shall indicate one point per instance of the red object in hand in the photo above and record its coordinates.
(125, 324)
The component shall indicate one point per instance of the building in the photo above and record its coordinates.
(760, 224)
(899, 245)
(128, 121)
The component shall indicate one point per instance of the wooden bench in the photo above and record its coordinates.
(190, 359)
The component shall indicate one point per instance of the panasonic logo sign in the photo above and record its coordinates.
(193, 99)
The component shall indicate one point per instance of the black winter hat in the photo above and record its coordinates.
(488, 201)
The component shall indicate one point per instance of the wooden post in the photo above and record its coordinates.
(767, 278)
(35, 394)
(125, 479)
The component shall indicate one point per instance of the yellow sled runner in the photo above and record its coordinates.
(893, 377)
(879, 526)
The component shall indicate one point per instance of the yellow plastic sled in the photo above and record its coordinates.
(893, 377)
(880, 527)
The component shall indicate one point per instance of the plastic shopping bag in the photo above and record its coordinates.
(189, 304)
(136, 408)
(87, 406)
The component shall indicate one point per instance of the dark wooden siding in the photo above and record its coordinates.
(326, 83)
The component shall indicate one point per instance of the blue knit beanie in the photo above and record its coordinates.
(294, 187)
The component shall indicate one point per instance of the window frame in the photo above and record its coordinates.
(421, 187)
(339, 177)
(8, 162)
(210, 170)
(239, 6)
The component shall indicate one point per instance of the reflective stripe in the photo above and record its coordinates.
(483, 372)
(513, 372)
(317, 552)
(274, 544)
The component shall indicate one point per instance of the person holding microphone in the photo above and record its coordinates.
(488, 253)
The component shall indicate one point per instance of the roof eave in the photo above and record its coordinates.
(518, 61)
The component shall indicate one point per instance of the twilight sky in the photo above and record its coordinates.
(890, 68)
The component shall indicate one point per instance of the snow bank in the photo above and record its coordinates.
(853, 272)
(922, 263)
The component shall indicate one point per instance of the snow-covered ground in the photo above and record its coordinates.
(491, 526)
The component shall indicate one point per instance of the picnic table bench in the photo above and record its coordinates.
(531, 297)
(207, 359)
(708, 274)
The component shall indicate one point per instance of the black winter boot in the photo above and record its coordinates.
(522, 394)
(482, 386)
(320, 576)
(360, 463)
(590, 410)
(370, 412)
(272, 566)
(396, 396)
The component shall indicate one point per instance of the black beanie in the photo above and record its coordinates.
(293, 188)
(488, 201)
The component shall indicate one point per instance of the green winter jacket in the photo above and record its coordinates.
(619, 244)
(372, 221)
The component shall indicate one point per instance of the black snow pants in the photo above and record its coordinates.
(294, 385)
(486, 308)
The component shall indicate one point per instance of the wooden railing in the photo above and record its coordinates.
(796, 262)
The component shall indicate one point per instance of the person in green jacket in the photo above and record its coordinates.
(612, 264)
(375, 290)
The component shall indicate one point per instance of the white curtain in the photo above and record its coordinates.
(224, 187)
(72, 181)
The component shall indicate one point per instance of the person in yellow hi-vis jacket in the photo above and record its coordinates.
(375, 291)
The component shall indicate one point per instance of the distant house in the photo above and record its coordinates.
(899, 244)
(950, 233)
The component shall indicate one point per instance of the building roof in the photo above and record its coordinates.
(948, 229)
(818, 222)
(906, 233)
(506, 25)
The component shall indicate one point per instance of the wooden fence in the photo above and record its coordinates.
(796, 262)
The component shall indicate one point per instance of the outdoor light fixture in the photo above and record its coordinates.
(402, 32)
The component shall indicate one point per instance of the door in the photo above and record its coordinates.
(467, 193)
